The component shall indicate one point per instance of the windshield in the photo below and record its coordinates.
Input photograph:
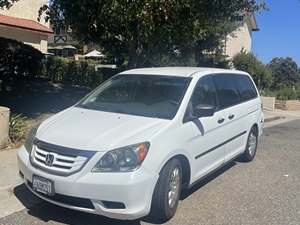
(142, 95)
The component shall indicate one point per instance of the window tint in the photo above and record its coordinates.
(204, 93)
(227, 90)
(142, 95)
(246, 88)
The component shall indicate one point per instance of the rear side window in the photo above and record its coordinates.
(246, 88)
(227, 90)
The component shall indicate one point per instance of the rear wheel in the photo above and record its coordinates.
(167, 192)
(251, 146)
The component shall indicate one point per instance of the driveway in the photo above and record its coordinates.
(40, 98)
(266, 191)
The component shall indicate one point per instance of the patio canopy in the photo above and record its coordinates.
(94, 54)
(70, 47)
(61, 47)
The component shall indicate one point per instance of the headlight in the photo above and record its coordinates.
(30, 139)
(124, 159)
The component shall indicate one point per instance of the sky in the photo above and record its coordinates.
(279, 34)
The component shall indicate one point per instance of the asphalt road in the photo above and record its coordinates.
(266, 191)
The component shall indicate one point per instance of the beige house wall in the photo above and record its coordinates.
(238, 40)
(44, 44)
(35, 39)
(26, 9)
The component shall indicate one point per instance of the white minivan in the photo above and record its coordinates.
(129, 148)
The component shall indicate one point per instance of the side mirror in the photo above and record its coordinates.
(204, 110)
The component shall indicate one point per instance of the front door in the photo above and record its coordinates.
(207, 133)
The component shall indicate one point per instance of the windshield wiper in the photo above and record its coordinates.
(83, 106)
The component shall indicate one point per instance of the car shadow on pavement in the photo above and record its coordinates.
(207, 179)
(47, 212)
(25, 196)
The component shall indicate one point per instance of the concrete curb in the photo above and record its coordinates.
(10, 187)
(274, 118)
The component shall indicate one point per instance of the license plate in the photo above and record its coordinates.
(42, 185)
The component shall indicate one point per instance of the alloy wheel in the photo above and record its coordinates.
(252, 143)
(174, 185)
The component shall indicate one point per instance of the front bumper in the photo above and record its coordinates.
(133, 189)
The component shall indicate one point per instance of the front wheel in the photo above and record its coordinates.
(167, 192)
(251, 146)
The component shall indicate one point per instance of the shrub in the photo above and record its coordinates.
(83, 73)
(61, 70)
(284, 93)
(298, 91)
(56, 68)
(17, 127)
(18, 59)
(261, 74)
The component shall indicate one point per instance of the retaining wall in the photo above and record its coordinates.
(4, 126)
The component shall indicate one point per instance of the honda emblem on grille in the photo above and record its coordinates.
(49, 159)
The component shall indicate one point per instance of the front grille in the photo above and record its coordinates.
(65, 161)
(68, 200)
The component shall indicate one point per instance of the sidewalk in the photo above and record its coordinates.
(9, 180)
(8, 169)
(272, 116)
(277, 116)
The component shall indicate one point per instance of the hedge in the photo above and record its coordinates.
(286, 92)
(18, 59)
(61, 70)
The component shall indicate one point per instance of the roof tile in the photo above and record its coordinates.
(24, 24)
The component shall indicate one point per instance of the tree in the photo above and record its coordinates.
(143, 30)
(261, 74)
(6, 3)
(285, 71)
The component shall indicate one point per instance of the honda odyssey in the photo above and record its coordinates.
(131, 146)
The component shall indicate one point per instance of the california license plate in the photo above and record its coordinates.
(42, 185)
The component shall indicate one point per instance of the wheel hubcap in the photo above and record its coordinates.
(252, 144)
(174, 187)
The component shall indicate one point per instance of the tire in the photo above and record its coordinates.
(163, 207)
(251, 146)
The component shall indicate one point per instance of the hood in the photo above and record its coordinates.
(96, 130)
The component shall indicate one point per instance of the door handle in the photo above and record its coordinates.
(221, 120)
(231, 116)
